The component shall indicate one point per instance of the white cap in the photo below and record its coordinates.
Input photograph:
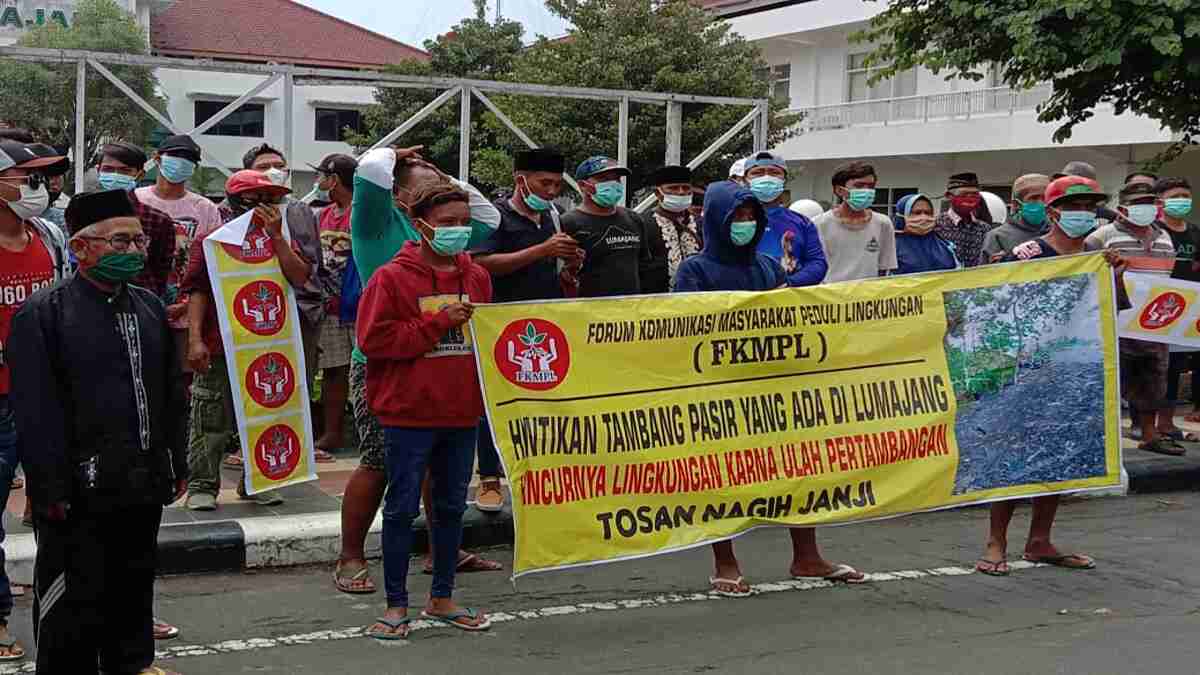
(996, 207)
(738, 170)
(807, 207)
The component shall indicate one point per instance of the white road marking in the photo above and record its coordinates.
(255, 644)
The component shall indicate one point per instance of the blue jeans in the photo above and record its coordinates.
(8, 467)
(489, 457)
(449, 455)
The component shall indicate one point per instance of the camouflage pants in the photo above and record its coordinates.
(212, 421)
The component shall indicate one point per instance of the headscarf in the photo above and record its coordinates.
(904, 208)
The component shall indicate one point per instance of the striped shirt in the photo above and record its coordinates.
(1155, 254)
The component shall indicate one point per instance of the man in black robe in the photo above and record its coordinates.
(100, 423)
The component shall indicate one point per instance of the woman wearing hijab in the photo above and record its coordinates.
(918, 249)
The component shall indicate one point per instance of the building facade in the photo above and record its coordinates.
(918, 128)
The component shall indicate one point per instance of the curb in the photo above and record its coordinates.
(269, 541)
(1164, 474)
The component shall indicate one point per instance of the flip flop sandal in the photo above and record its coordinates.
(736, 583)
(344, 584)
(992, 568)
(1180, 435)
(452, 619)
(167, 632)
(393, 625)
(9, 644)
(234, 461)
(323, 456)
(843, 573)
(1163, 446)
(470, 562)
(1062, 561)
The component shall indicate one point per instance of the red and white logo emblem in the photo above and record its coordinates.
(271, 380)
(260, 307)
(255, 249)
(277, 452)
(533, 354)
(1163, 311)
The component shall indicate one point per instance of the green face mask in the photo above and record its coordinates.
(741, 232)
(118, 268)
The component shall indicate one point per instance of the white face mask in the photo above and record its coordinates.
(32, 203)
(277, 176)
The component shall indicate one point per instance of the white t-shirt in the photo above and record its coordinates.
(856, 251)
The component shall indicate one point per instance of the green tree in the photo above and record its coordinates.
(475, 48)
(644, 45)
(1138, 55)
(41, 96)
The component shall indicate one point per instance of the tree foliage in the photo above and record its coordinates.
(1137, 55)
(41, 96)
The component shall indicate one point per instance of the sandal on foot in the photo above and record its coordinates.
(843, 573)
(393, 625)
(740, 582)
(345, 584)
(454, 619)
(1163, 446)
(470, 562)
(11, 645)
(1178, 435)
(233, 461)
(323, 456)
(163, 630)
(1072, 561)
(992, 568)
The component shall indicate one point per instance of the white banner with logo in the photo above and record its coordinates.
(1164, 310)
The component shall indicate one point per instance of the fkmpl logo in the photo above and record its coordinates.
(256, 247)
(277, 452)
(533, 353)
(1163, 311)
(259, 307)
(271, 380)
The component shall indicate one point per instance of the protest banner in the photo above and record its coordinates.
(643, 425)
(1163, 310)
(260, 331)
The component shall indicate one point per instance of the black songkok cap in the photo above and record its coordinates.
(90, 208)
(540, 159)
(966, 179)
(668, 175)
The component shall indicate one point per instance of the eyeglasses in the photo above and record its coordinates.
(121, 242)
(35, 180)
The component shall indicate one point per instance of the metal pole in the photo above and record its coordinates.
(289, 119)
(416, 118)
(764, 127)
(464, 136)
(233, 106)
(623, 131)
(674, 133)
(80, 117)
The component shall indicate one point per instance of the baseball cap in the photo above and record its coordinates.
(1073, 186)
(342, 166)
(61, 164)
(180, 146)
(249, 179)
(23, 156)
(599, 164)
(763, 159)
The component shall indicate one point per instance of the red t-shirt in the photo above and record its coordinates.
(335, 248)
(22, 273)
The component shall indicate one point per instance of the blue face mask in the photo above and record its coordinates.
(449, 241)
(860, 199)
(1077, 224)
(116, 181)
(766, 188)
(742, 231)
(1033, 213)
(1142, 215)
(1177, 207)
(609, 193)
(176, 169)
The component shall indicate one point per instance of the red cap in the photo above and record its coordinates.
(248, 179)
(1073, 186)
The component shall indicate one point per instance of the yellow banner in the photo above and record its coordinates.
(637, 426)
(260, 331)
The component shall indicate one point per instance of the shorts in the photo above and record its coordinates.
(337, 341)
(371, 445)
(1144, 368)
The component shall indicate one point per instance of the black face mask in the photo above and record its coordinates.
(241, 205)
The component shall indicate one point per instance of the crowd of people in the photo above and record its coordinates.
(115, 396)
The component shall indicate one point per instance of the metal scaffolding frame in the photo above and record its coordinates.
(465, 89)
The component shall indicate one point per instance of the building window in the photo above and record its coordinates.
(779, 79)
(332, 124)
(886, 198)
(246, 121)
(858, 76)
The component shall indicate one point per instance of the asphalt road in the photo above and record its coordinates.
(1139, 612)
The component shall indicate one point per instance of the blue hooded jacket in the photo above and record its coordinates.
(920, 252)
(722, 266)
(794, 241)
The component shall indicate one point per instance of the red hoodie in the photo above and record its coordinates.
(420, 369)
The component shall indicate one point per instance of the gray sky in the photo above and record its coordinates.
(414, 21)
